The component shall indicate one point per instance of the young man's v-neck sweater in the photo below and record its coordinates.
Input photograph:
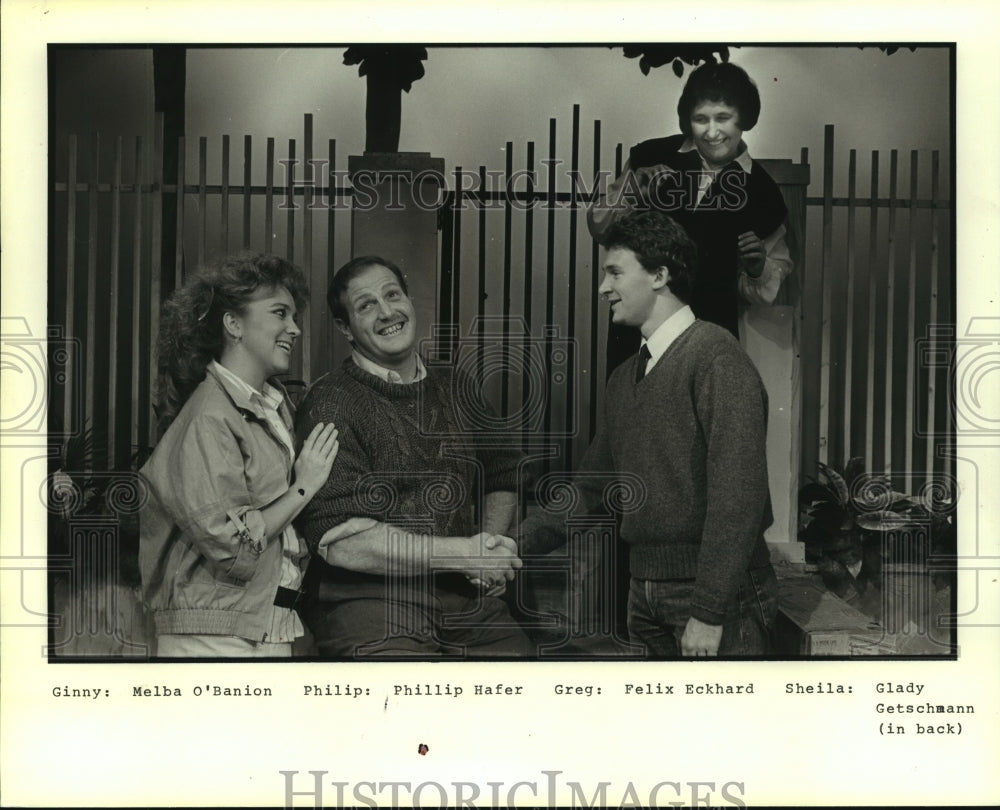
(693, 432)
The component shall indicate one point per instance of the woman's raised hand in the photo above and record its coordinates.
(752, 253)
(312, 467)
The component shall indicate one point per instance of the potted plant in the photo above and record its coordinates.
(95, 591)
(853, 519)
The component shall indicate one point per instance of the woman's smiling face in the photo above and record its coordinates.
(716, 132)
(268, 331)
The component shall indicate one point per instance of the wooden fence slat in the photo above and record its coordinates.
(481, 280)
(890, 312)
(872, 309)
(70, 384)
(932, 320)
(447, 224)
(289, 204)
(827, 450)
(140, 368)
(529, 244)
(156, 256)
(156, 260)
(456, 263)
(811, 331)
(224, 206)
(247, 181)
(595, 278)
(269, 198)
(848, 388)
(202, 199)
(180, 195)
(331, 221)
(508, 214)
(311, 344)
(909, 436)
(305, 356)
(114, 266)
(550, 269)
(91, 333)
(572, 291)
(334, 196)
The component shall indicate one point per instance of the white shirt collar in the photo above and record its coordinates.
(384, 373)
(666, 333)
(743, 159)
(270, 396)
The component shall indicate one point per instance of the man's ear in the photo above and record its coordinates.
(661, 277)
(345, 330)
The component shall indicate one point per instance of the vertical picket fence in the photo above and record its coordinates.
(875, 277)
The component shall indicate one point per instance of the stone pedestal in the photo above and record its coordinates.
(769, 336)
(772, 337)
(395, 216)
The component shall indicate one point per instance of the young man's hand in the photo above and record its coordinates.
(493, 559)
(701, 639)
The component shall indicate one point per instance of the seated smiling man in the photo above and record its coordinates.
(401, 565)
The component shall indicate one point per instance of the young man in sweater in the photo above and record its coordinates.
(687, 416)
(409, 534)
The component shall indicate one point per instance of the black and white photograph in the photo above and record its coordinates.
(497, 387)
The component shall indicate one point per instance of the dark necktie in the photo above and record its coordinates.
(640, 366)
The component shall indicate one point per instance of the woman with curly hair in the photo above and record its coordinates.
(221, 563)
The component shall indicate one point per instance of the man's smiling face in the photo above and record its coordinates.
(381, 320)
(628, 287)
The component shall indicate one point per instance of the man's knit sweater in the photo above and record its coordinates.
(406, 455)
(693, 431)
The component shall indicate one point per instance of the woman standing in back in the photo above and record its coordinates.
(706, 180)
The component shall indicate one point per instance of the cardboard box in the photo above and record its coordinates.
(813, 621)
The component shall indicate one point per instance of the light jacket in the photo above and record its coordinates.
(206, 564)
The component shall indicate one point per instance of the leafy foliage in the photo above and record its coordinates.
(847, 516)
(398, 65)
(74, 480)
(79, 487)
(889, 50)
(656, 55)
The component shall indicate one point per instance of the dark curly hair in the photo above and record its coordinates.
(721, 82)
(342, 278)
(657, 241)
(191, 330)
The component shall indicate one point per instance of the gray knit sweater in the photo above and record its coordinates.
(407, 455)
(693, 431)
